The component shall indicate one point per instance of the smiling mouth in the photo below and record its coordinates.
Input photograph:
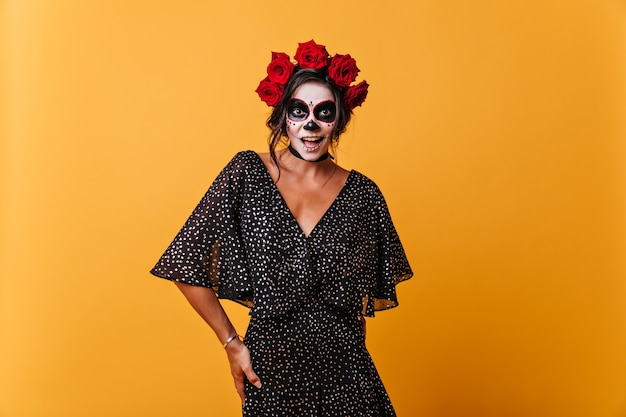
(311, 144)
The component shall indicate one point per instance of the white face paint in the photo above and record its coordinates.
(311, 119)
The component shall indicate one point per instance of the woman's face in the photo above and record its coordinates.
(311, 116)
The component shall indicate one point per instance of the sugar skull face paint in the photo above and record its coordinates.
(325, 111)
(311, 118)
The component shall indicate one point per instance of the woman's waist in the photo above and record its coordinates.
(316, 323)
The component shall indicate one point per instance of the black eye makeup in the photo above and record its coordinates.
(297, 110)
(324, 111)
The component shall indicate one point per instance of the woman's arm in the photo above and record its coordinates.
(206, 304)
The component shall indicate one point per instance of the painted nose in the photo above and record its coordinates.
(311, 125)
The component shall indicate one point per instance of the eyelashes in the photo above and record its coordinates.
(325, 111)
(297, 110)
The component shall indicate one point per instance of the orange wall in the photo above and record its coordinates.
(495, 129)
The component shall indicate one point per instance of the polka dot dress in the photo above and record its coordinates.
(313, 362)
(305, 292)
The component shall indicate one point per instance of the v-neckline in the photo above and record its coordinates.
(286, 206)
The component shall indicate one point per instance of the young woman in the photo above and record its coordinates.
(307, 245)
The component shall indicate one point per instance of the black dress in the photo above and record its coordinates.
(305, 292)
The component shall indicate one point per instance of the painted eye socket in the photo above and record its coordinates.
(325, 111)
(297, 110)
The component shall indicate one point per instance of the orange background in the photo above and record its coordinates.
(496, 131)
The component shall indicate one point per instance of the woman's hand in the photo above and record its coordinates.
(241, 367)
(205, 302)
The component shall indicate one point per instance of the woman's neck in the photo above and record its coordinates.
(297, 155)
(292, 165)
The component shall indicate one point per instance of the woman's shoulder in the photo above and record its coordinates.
(245, 156)
(364, 183)
(244, 160)
(242, 167)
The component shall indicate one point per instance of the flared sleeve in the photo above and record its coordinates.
(359, 258)
(208, 249)
(392, 264)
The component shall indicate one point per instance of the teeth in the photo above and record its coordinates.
(311, 144)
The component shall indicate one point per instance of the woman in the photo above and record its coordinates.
(307, 245)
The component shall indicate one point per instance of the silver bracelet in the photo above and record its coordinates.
(230, 339)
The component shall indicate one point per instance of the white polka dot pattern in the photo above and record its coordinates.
(305, 292)
(243, 241)
(313, 362)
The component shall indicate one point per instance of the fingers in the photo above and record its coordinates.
(239, 386)
(252, 377)
(241, 368)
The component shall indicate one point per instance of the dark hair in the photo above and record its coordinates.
(277, 122)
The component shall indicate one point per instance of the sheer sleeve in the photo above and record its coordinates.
(208, 251)
(392, 264)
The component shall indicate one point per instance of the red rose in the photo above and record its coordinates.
(270, 92)
(355, 95)
(311, 55)
(342, 70)
(279, 70)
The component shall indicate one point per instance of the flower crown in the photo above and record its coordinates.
(342, 70)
